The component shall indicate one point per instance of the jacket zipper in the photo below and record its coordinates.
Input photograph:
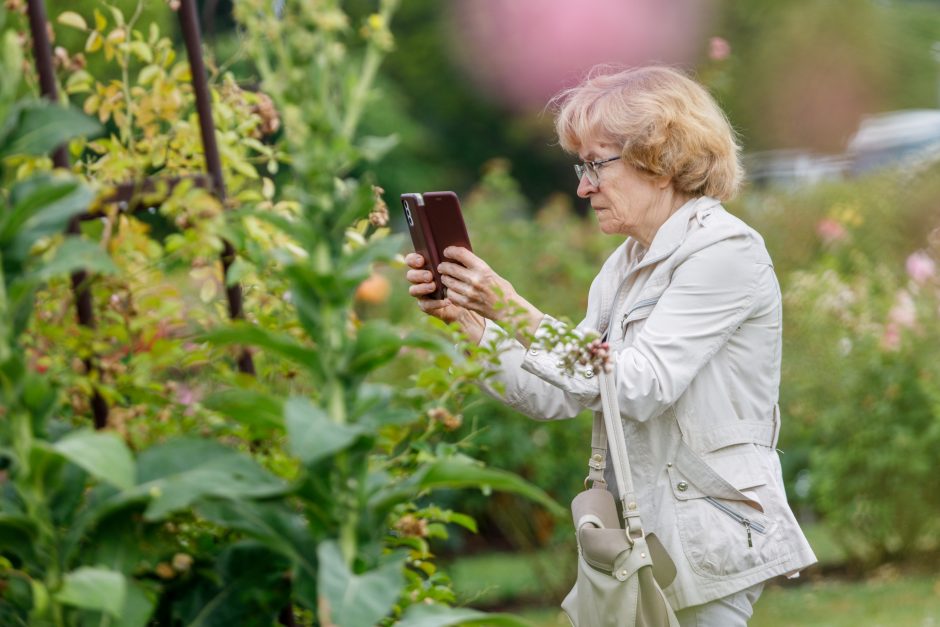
(747, 523)
(640, 305)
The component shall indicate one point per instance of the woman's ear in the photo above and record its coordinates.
(663, 182)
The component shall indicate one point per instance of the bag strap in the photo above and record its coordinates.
(612, 433)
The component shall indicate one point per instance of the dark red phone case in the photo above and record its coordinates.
(435, 222)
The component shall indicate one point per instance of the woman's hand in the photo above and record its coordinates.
(474, 286)
(422, 285)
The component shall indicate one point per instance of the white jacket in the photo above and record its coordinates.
(694, 326)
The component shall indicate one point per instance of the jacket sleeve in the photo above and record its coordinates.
(525, 392)
(709, 295)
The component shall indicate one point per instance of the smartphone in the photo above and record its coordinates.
(435, 222)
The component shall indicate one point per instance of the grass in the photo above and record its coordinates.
(887, 599)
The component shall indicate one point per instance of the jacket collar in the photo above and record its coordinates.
(674, 230)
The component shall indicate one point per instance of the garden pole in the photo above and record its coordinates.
(189, 23)
(42, 51)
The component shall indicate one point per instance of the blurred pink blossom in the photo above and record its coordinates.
(830, 230)
(891, 338)
(904, 312)
(920, 267)
(521, 52)
(718, 49)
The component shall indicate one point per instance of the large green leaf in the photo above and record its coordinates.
(183, 471)
(377, 343)
(350, 599)
(102, 455)
(40, 126)
(74, 254)
(282, 344)
(249, 407)
(460, 472)
(40, 206)
(94, 588)
(251, 589)
(17, 533)
(139, 604)
(312, 436)
(422, 615)
(276, 527)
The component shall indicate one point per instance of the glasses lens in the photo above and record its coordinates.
(586, 169)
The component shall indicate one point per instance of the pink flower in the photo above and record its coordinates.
(920, 267)
(904, 312)
(830, 230)
(718, 49)
(891, 339)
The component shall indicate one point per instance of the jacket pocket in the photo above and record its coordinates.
(722, 537)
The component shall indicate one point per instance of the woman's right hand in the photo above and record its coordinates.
(422, 285)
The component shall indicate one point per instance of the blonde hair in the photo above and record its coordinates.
(667, 123)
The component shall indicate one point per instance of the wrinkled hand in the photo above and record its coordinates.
(474, 286)
(422, 285)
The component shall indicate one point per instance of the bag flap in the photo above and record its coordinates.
(600, 503)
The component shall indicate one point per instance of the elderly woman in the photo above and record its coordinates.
(691, 308)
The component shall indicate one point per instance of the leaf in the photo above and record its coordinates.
(39, 127)
(455, 473)
(102, 455)
(374, 148)
(139, 604)
(248, 407)
(377, 343)
(94, 42)
(184, 471)
(73, 19)
(272, 524)
(349, 599)
(17, 533)
(278, 343)
(74, 254)
(421, 615)
(41, 206)
(312, 436)
(94, 589)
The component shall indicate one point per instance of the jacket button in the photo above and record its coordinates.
(682, 486)
(588, 373)
(597, 457)
(533, 351)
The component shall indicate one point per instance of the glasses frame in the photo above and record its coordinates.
(591, 169)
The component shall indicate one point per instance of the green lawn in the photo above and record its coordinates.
(886, 600)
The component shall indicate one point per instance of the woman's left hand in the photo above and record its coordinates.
(472, 284)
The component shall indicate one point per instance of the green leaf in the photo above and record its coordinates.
(183, 471)
(311, 434)
(282, 344)
(377, 343)
(39, 127)
(94, 589)
(421, 615)
(41, 206)
(349, 599)
(374, 148)
(102, 455)
(249, 407)
(139, 604)
(17, 533)
(455, 473)
(74, 254)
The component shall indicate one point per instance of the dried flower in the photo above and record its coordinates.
(450, 421)
(412, 526)
(164, 571)
(379, 214)
(182, 562)
(264, 108)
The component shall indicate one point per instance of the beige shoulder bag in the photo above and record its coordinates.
(618, 584)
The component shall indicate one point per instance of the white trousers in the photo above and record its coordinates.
(731, 611)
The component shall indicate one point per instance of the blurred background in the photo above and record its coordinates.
(837, 105)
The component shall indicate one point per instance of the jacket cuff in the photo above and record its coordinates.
(547, 363)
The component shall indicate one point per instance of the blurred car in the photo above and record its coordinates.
(896, 139)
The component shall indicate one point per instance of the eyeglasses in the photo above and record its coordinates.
(591, 169)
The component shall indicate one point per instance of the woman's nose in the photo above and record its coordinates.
(586, 187)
